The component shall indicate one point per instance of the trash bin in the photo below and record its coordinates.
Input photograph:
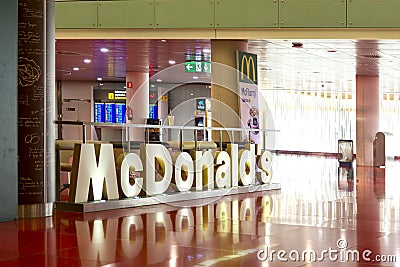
(345, 152)
(385, 148)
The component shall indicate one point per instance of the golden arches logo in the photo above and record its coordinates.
(248, 60)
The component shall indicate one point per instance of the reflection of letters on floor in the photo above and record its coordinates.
(98, 240)
(101, 243)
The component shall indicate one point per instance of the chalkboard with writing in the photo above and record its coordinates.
(31, 101)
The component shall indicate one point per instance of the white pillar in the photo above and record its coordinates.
(367, 117)
(137, 99)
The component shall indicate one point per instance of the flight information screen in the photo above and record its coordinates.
(99, 113)
(109, 112)
(120, 113)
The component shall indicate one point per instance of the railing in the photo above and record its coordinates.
(147, 127)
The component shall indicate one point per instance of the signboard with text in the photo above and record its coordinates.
(248, 90)
(97, 173)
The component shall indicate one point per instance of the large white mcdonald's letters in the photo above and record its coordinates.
(158, 164)
(156, 168)
(89, 170)
(247, 166)
(131, 161)
(223, 174)
(264, 162)
(204, 170)
(184, 165)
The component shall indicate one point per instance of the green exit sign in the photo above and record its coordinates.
(207, 67)
(198, 66)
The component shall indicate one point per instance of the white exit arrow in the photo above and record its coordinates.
(189, 67)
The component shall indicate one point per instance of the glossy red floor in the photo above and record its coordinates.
(334, 212)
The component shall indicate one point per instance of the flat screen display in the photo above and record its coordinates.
(109, 112)
(99, 113)
(120, 113)
(201, 104)
(153, 112)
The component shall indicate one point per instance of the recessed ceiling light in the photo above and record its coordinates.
(87, 61)
(75, 68)
(104, 50)
(172, 62)
(206, 50)
(163, 41)
(195, 77)
(191, 94)
(152, 86)
(159, 80)
(99, 79)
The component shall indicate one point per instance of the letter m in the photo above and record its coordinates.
(97, 173)
(249, 63)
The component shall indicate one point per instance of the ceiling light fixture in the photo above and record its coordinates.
(172, 62)
(195, 77)
(75, 68)
(159, 80)
(104, 50)
(163, 41)
(99, 79)
(87, 61)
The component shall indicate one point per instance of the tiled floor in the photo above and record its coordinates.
(320, 208)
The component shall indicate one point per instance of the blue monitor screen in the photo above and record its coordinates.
(120, 113)
(153, 112)
(99, 114)
(109, 112)
(200, 104)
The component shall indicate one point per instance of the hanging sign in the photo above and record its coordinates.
(248, 90)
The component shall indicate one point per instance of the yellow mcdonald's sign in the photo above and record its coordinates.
(247, 66)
